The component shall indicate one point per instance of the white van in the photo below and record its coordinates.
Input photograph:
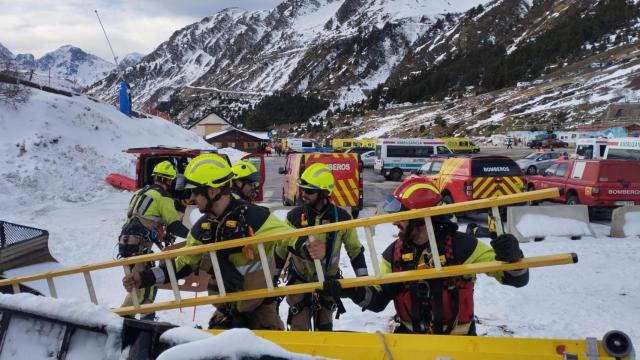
(396, 156)
(591, 148)
(299, 145)
(623, 149)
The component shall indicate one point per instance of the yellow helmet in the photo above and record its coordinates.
(210, 170)
(318, 176)
(244, 169)
(164, 169)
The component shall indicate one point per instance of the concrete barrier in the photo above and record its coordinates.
(625, 221)
(528, 223)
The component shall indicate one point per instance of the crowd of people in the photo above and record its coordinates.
(226, 196)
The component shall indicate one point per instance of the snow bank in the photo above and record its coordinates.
(60, 148)
(233, 154)
(231, 344)
(632, 223)
(533, 225)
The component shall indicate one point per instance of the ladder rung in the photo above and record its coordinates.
(52, 288)
(433, 244)
(218, 273)
(265, 266)
(372, 250)
(173, 280)
(92, 291)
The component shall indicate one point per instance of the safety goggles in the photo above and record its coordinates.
(391, 204)
(310, 191)
(201, 190)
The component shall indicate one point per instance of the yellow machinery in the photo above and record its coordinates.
(370, 142)
(374, 346)
(341, 145)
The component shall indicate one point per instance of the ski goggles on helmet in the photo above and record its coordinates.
(392, 205)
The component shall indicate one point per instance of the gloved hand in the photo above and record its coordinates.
(332, 288)
(507, 248)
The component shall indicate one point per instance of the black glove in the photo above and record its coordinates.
(507, 248)
(332, 288)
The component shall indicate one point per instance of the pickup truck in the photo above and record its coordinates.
(596, 183)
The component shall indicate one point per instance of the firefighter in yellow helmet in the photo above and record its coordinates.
(151, 219)
(311, 311)
(225, 218)
(246, 181)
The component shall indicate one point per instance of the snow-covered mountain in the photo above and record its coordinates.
(5, 53)
(298, 46)
(68, 66)
(371, 53)
(130, 60)
(70, 62)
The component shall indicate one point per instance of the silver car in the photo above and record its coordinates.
(538, 162)
(368, 158)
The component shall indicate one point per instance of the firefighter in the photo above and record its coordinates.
(151, 209)
(225, 218)
(312, 311)
(246, 181)
(438, 306)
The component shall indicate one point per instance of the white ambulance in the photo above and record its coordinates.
(591, 148)
(623, 149)
(394, 157)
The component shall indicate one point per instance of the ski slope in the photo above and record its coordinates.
(59, 186)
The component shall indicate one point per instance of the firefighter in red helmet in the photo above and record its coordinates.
(437, 306)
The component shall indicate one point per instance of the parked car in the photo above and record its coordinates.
(394, 157)
(470, 178)
(547, 143)
(596, 183)
(358, 150)
(537, 162)
(368, 158)
(148, 158)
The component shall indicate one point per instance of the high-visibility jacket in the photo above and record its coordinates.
(153, 204)
(438, 305)
(241, 267)
(302, 266)
(155, 207)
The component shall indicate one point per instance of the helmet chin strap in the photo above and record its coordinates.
(322, 199)
(411, 232)
(211, 201)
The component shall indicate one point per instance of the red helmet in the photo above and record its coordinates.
(416, 192)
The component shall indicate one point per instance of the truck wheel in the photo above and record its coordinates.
(532, 170)
(395, 175)
(447, 199)
(573, 200)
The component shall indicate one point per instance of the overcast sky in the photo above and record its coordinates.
(40, 26)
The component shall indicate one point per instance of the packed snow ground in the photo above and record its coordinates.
(59, 186)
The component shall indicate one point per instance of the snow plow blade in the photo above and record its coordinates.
(22, 245)
(34, 327)
(121, 182)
